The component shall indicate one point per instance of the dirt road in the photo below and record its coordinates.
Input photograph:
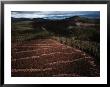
(49, 58)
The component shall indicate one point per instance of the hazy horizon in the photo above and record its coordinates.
(54, 14)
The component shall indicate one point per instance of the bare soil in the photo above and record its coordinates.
(49, 58)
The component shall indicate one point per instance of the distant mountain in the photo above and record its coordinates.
(20, 19)
(40, 19)
(83, 19)
(91, 16)
(56, 17)
(65, 20)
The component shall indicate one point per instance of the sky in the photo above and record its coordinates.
(53, 14)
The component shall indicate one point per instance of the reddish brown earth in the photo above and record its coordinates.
(49, 58)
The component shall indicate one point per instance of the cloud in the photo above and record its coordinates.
(49, 14)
